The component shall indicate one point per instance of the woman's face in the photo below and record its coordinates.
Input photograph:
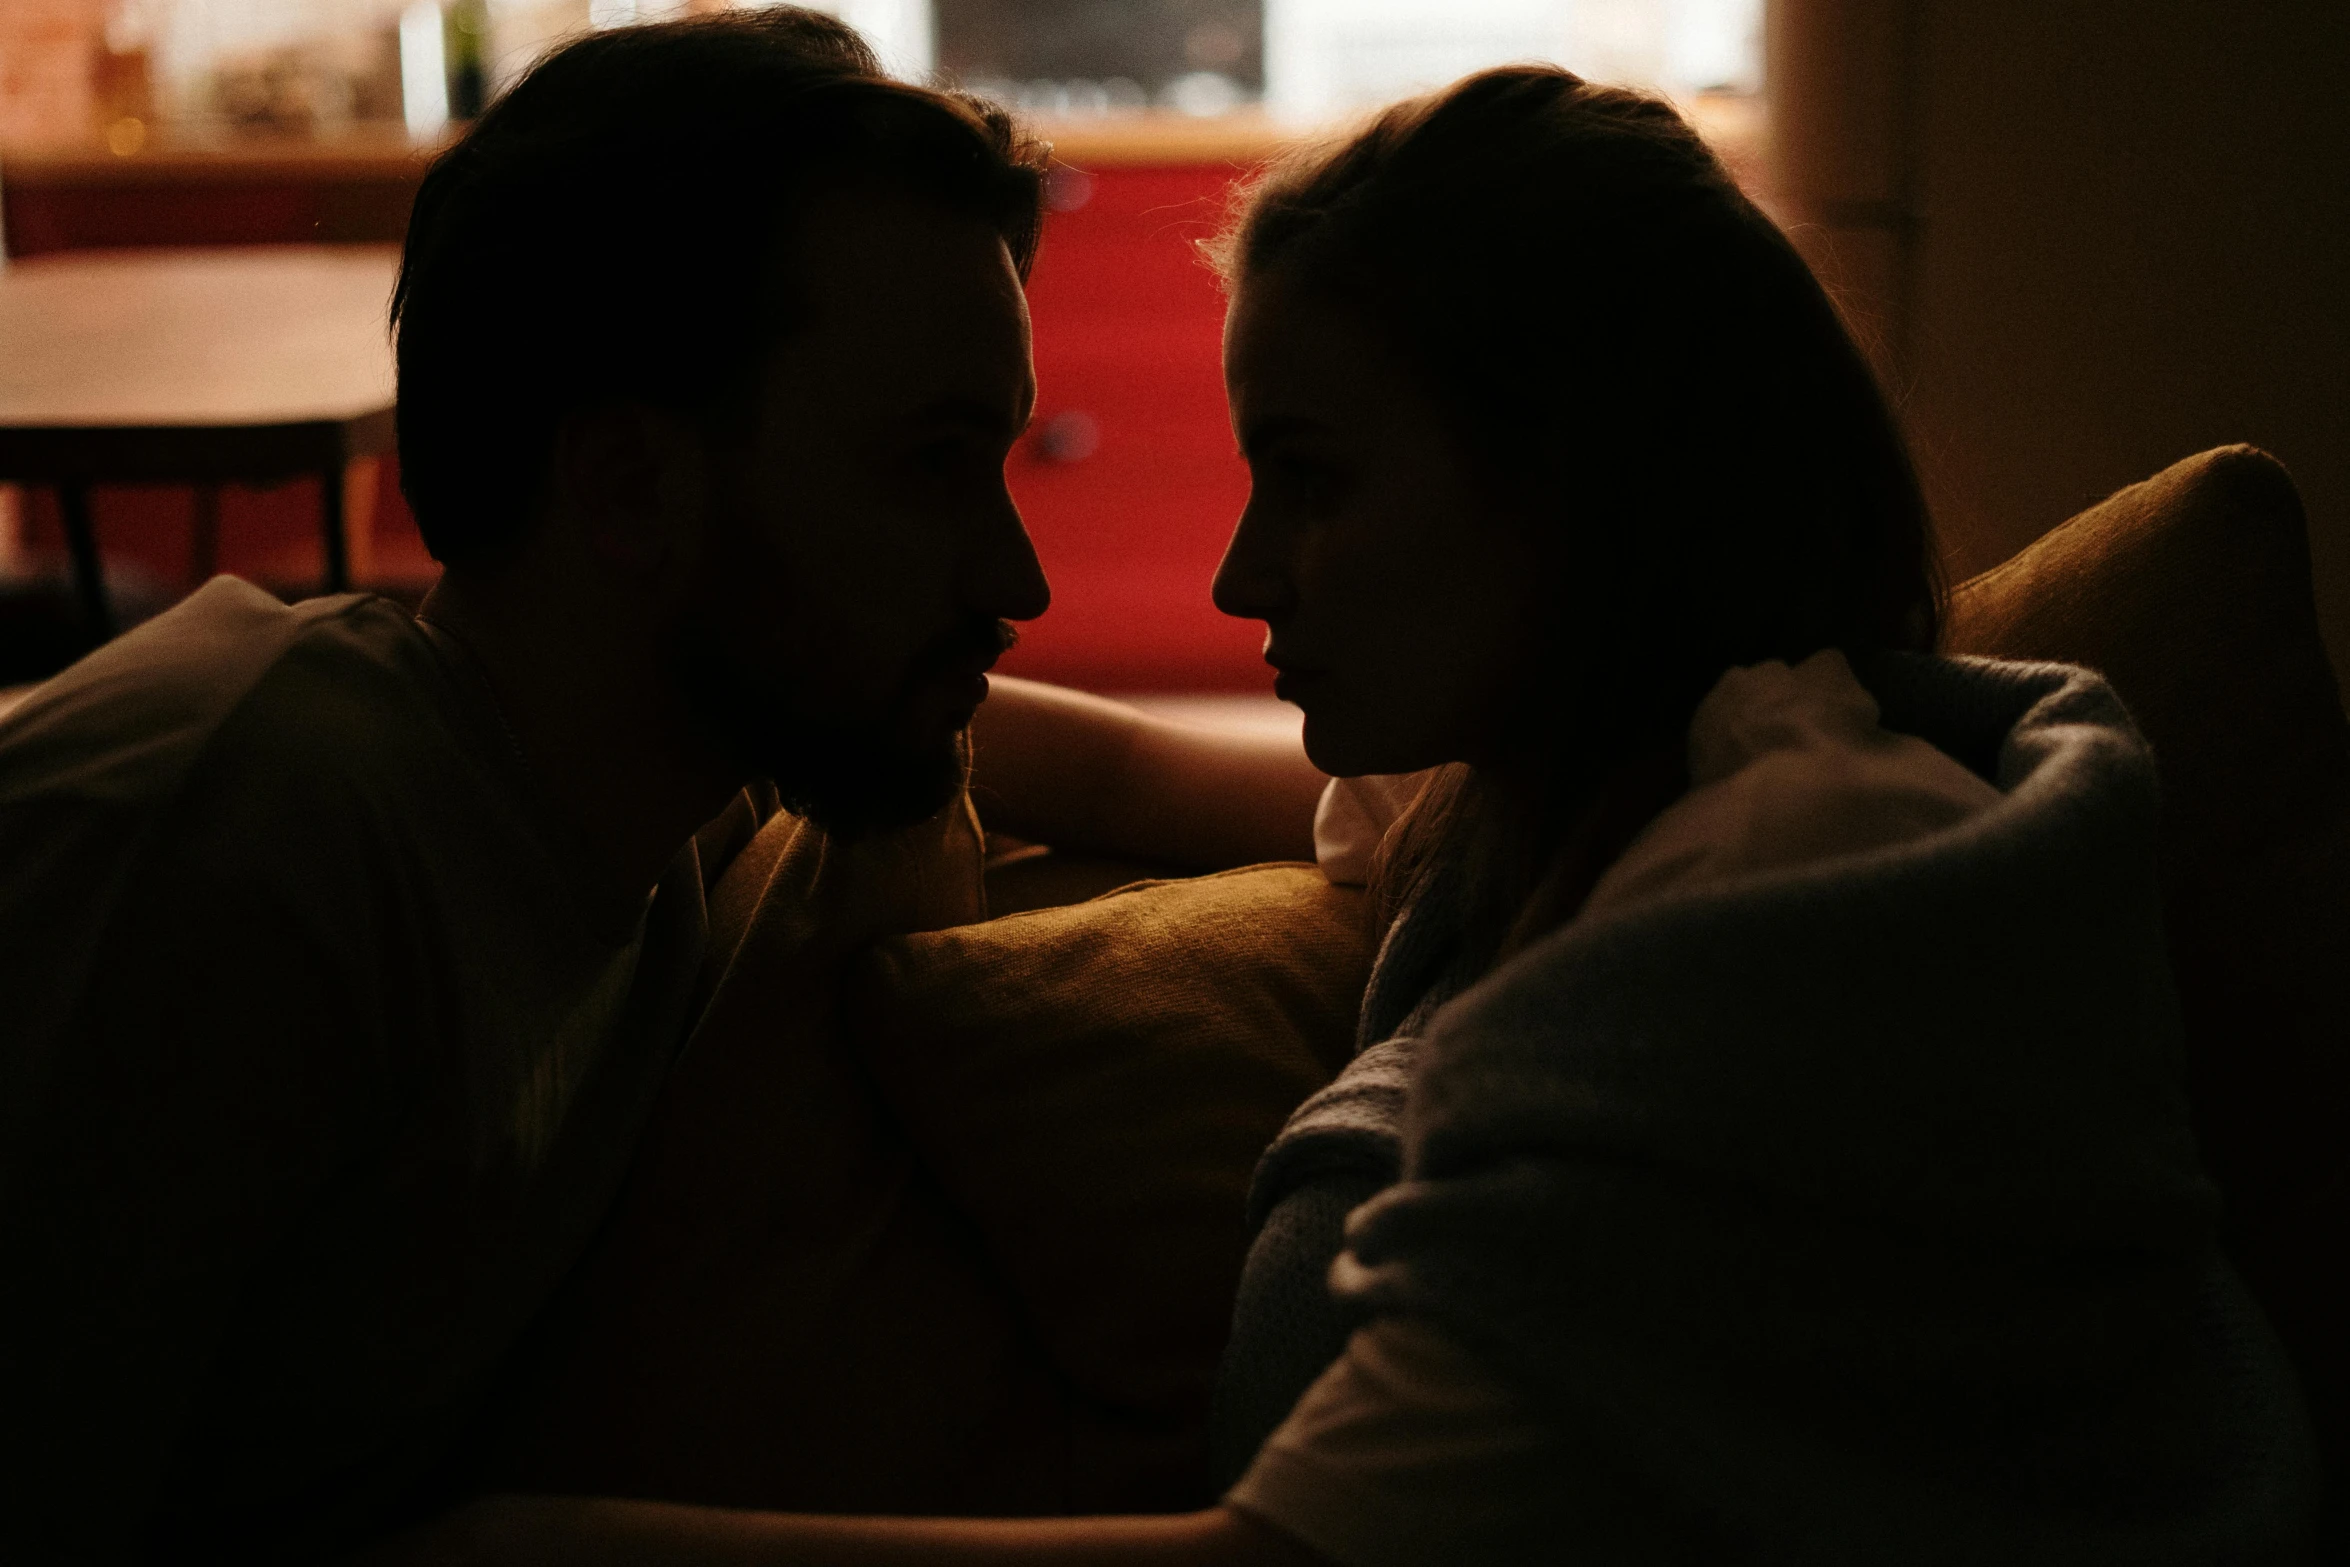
(1403, 607)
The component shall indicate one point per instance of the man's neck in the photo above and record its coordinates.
(623, 770)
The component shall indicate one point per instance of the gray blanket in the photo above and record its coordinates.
(1851, 1212)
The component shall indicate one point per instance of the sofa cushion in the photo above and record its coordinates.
(951, 1225)
(2191, 593)
(1092, 1085)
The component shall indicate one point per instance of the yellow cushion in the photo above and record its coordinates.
(1092, 1085)
(2191, 593)
(954, 1227)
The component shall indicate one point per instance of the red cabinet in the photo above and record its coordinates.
(1130, 481)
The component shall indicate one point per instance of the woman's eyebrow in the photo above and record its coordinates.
(1257, 434)
(974, 414)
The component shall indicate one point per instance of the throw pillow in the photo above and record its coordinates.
(1092, 1085)
(2191, 593)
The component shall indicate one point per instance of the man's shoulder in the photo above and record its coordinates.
(123, 729)
(97, 769)
(358, 694)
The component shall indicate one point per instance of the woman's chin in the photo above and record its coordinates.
(1351, 750)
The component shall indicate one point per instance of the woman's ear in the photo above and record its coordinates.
(637, 480)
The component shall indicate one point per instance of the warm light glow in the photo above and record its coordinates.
(126, 136)
(1329, 58)
(424, 71)
(902, 32)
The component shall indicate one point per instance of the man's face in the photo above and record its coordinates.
(864, 552)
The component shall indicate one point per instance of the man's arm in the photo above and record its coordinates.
(554, 1531)
(1092, 776)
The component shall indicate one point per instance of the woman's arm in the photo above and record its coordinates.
(563, 1531)
(1092, 776)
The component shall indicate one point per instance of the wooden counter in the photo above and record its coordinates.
(1141, 138)
(357, 190)
(244, 193)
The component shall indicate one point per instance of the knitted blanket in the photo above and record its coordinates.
(1851, 1210)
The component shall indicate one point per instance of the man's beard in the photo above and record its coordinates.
(854, 780)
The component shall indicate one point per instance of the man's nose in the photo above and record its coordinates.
(1008, 582)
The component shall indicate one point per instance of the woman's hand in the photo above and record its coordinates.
(569, 1531)
(1091, 776)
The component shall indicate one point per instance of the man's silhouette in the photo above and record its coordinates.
(342, 952)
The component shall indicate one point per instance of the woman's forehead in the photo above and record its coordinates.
(1294, 352)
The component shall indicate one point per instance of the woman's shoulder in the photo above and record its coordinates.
(1799, 767)
(1973, 1018)
(1789, 767)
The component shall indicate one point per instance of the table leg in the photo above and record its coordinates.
(204, 534)
(89, 572)
(330, 503)
(361, 481)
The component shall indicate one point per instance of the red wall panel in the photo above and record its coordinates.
(1129, 324)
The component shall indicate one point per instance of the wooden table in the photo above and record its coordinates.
(197, 367)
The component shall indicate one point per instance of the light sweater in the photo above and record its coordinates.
(1822, 1192)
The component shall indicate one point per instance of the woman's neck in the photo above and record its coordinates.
(1532, 835)
(1582, 831)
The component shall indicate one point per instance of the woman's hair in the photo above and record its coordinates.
(611, 228)
(1637, 360)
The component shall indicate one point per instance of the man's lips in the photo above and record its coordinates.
(973, 666)
(967, 656)
(951, 680)
(966, 681)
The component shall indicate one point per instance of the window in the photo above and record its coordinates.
(1307, 60)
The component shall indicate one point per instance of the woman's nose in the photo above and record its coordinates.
(1252, 581)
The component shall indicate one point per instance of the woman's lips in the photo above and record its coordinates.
(1288, 684)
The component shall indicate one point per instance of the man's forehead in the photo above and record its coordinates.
(908, 296)
(877, 257)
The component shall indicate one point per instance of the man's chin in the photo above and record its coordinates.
(877, 803)
(854, 780)
(855, 785)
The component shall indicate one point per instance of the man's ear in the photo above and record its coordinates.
(638, 480)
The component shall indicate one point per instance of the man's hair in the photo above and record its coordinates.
(613, 230)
